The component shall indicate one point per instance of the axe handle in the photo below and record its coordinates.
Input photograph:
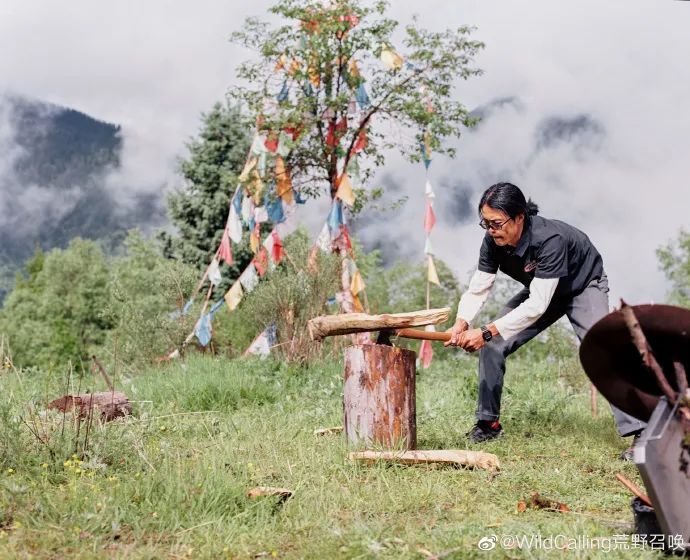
(423, 335)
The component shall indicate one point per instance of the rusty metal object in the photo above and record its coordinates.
(613, 363)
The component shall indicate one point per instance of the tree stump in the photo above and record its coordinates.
(379, 397)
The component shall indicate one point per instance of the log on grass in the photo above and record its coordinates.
(108, 405)
(454, 457)
(379, 396)
(348, 323)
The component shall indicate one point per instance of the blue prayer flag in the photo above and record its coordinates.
(335, 218)
(275, 210)
(202, 329)
(237, 201)
(362, 97)
(284, 92)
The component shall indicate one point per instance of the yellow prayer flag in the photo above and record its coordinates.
(357, 305)
(433, 275)
(248, 166)
(282, 63)
(354, 69)
(234, 296)
(256, 187)
(345, 192)
(357, 284)
(283, 182)
(391, 59)
(254, 242)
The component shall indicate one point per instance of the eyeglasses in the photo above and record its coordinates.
(493, 224)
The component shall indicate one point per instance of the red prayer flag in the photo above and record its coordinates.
(225, 251)
(330, 137)
(261, 261)
(271, 142)
(361, 141)
(277, 251)
(429, 218)
(426, 353)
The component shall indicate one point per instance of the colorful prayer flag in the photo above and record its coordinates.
(234, 225)
(432, 275)
(248, 167)
(357, 283)
(249, 278)
(283, 182)
(260, 214)
(428, 249)
(225, 251)
(275, 210)
(261, 261)
(362, 97)
(345, 192)
(202, 329)
(391, 59)
(323, 241)
(254, 238)
(214, 272)
(335, 218)
(426, 353)
(234, 296)
(277, 250)
(429, 218)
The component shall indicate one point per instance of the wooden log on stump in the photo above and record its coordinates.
(108, 405)
(379, 397)
(349, 323)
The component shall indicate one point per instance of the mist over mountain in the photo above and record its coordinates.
(56, 169)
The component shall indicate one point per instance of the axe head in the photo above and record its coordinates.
(384, 337)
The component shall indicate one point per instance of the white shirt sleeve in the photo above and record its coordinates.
(541, 292)
(475, 295)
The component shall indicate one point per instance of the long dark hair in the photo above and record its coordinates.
(508, 198)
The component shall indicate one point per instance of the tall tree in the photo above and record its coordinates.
(200, 208)
(674, 259)
(330, 85)
(56, 314)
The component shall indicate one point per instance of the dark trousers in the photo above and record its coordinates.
(582, 311)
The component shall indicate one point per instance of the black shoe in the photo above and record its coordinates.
(484, 431)
(628, 454)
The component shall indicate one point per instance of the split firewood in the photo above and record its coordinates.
(109, 405)
(259, 491)
(328, 431)
(454, 457)
(537, 501)
(348, 323)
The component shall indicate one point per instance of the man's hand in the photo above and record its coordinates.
(472, 340)
(456, 332)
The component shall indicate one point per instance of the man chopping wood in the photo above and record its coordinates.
(562, 274)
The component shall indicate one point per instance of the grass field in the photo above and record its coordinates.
(171, 480)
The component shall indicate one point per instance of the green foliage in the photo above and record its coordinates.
(674, 260)
(326, 53)
(55, 314)
(144, 288)
(199, 210)
(295, 291)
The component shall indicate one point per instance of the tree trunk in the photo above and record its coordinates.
(379, 397)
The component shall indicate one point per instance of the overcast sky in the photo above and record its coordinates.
(612, 76)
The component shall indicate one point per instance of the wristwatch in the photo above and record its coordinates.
(486, 333)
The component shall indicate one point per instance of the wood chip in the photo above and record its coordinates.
(328, 431)
(260, 491)
(454, 457)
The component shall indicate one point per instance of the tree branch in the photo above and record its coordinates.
(640, 341)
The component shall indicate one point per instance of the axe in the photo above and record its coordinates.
(387, 325)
